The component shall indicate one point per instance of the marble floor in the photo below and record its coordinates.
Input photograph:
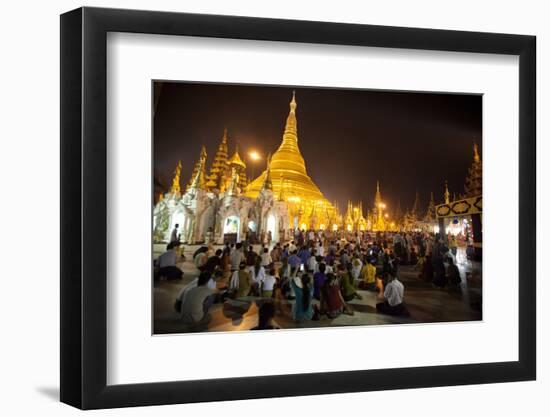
(425, 303)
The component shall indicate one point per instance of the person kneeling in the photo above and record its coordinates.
(393, 298)
(197, 302)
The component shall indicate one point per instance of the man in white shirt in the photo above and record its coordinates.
(167, 263)
(292, 247)
(393, 299)
(356, 267)
(266, 258)
(236, 257)
(197, 302)
(312, 263)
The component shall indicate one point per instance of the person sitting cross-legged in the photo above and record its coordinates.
(369, 276)
(197, 302)
(346, 279)
(240, 283)
(267, 283)
(392, 297)
(332, 301)
(167, 263)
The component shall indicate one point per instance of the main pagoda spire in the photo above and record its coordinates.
(292, 183)
(288, 156)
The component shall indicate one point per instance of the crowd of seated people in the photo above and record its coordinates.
(318, 277)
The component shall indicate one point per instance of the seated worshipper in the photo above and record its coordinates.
(320, 249)
(251, 256)
(414, 257)
(200, 258)
(312, 263)
(319, 279)
(292, 247)
(393, 298)
(368, 274)
(197, 302)
(330, 258)
(213, 262)
(167, 263)
(427, 273)
(284, 277)
(330, 269)
(276, 253)
(266, 258)
(194, 283)
(266, 312)
(303, 307)
(304, 254)
(332, 301)
(356, 267)
(257, 274)
(440, 279)
(294, 260)
(346, 280)
(236, 257)
(453, 274)
(285, 253)
(240, 282)
(225, 264)
(344, 258)
(267, 283)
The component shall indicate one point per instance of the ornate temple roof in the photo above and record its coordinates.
(236, 159)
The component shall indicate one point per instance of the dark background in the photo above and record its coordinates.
(348, 138)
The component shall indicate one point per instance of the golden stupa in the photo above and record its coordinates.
(291, 183)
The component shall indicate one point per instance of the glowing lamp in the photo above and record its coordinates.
(255, 156)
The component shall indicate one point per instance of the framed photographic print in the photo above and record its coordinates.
(259, 208)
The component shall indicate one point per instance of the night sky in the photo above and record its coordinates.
(348, 138)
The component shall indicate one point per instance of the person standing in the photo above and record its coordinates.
(303, 307)
(319, 279)
(174, 237)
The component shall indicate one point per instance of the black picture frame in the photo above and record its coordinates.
(84, 207)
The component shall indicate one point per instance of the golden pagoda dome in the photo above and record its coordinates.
(288, 170)
(236, 159)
